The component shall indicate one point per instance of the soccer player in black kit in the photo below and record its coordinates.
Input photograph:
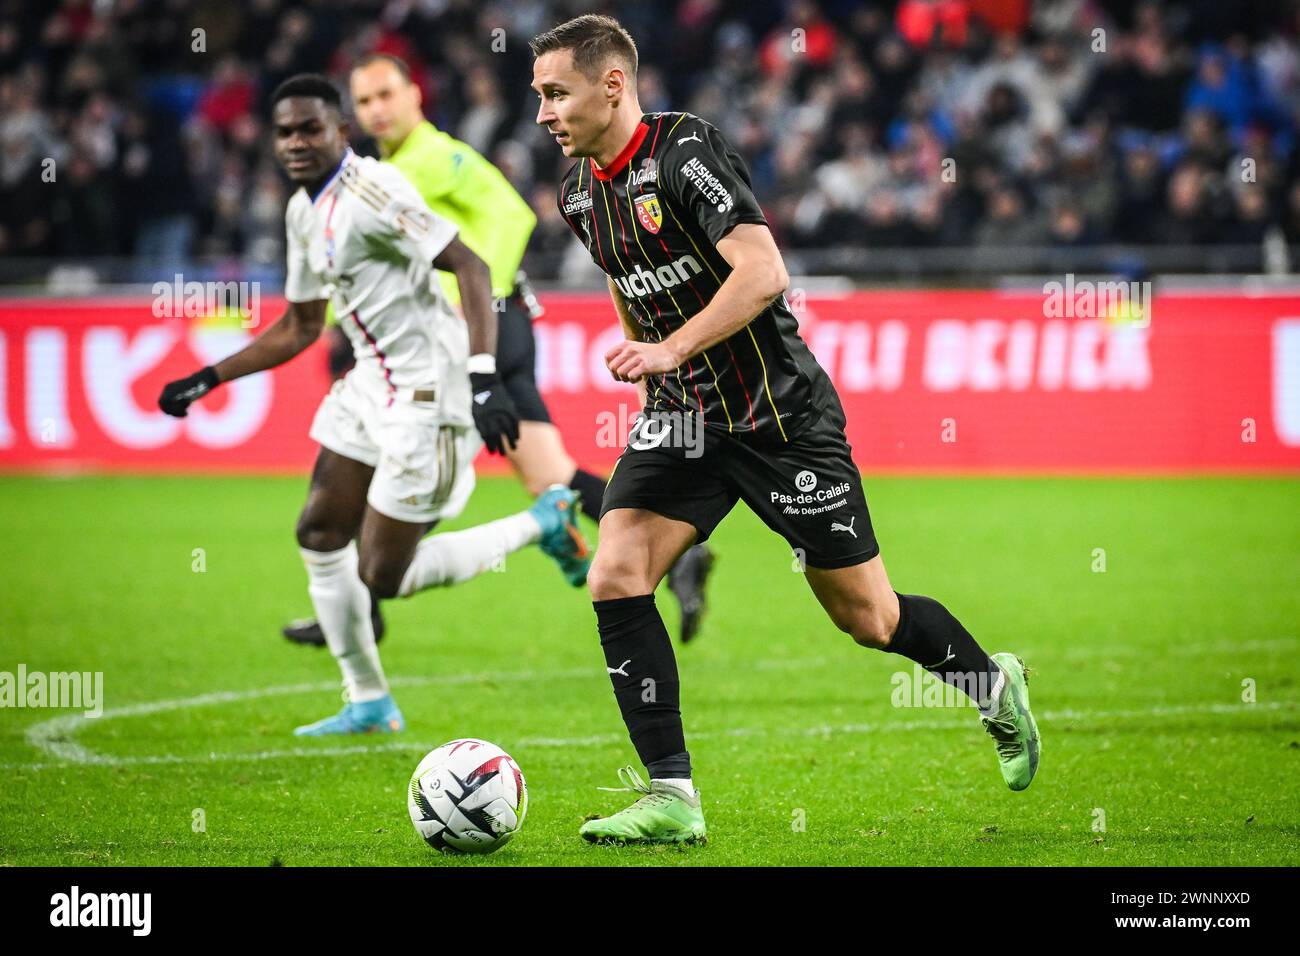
(735, 407)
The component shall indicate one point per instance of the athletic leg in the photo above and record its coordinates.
(657, 504)
(637, 549)
(339, 405)
(397, 560)
(539, 457)
(810, 492)
(329, 522)
(861, 602)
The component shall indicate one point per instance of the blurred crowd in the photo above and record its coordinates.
(138, 128)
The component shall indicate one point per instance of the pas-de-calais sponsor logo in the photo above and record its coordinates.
(805, 480)
(192, 300)
(103, 909)
(810, 497)
(648, 212)
(643, 282)
(1120, 304)
(74, 690)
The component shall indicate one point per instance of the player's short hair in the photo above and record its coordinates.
(398, 63)
(594, 40)
(311, 85)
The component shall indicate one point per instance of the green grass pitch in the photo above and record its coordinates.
(1140, 671)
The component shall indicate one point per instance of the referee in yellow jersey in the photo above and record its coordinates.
(495, 222)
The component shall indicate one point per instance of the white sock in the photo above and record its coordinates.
(681, 783)
(342, 606)
(458, 556)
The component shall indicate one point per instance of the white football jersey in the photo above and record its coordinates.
(367, 240)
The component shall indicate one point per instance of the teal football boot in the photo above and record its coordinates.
(371, 717)
(556, 510)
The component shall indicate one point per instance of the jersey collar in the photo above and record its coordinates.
(621, 160)
(347, 155)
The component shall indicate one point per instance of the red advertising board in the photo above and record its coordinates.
(972, 381)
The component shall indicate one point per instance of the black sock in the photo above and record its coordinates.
(643, 670)
(592, 489)
(928, 634)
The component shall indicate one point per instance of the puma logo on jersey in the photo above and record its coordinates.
(620, 669)
(686, 139)
(480, 398)
(643, 282)
(836, 526)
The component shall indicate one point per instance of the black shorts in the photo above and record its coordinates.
(517, 360)
(808, 490)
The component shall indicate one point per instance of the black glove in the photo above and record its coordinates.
(176, 396)
(495, 416)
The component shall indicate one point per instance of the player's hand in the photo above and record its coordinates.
(176, 396)
(632, 361)
(495, 415)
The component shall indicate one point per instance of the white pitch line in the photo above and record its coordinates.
(53, 737)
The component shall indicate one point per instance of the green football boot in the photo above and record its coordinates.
(1012, 726)
(662, 815)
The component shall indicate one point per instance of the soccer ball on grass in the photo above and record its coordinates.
(467, 795)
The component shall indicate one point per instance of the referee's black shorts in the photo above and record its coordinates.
(808, 490)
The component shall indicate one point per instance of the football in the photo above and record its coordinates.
(467, 795)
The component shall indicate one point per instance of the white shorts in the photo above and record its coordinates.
(424, 469)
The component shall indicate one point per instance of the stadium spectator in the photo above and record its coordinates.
(1123, 121)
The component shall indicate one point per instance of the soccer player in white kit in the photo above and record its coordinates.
(399, 433)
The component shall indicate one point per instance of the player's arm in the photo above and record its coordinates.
(494, 412)
(631, 329)
(757, 277)
(702, 175)
(294, 331)
(475, 282)
(706, 178)
(422, 236)
(298, 328)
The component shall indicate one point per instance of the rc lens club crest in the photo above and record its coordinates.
(648, 212)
